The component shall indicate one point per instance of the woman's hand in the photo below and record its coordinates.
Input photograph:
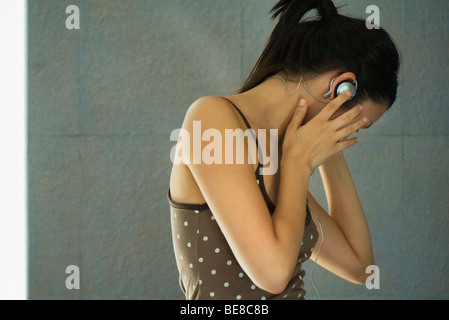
(313, 143)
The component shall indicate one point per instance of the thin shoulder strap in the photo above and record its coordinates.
(240, 112)
(253, 133)
(259, 177)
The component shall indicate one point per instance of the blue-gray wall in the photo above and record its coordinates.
(103, 100)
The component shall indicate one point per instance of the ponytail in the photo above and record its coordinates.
(292, 12)
(330, 42)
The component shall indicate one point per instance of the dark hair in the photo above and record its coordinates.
(333, 42)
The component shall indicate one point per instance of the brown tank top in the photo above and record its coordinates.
(207, 266)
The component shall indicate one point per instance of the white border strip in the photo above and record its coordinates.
(13, 200)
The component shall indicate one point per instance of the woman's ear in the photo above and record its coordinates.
(347, 76)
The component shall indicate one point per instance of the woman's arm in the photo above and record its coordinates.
(345, 207)
(266, 247)
(347, 249)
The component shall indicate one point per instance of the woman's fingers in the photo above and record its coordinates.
(346, 118)
(298, 116)
(345, 144)
(345, 128)
(334, 105)
(349, 130)
(322, 137)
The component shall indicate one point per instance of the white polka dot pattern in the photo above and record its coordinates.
(208, 268)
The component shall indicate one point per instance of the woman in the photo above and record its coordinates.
(238, 234)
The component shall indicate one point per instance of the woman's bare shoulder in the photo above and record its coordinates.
(214, 111)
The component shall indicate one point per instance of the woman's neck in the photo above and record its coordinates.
(269, 106)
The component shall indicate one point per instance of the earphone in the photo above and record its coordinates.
(339, 89)
(342, 87)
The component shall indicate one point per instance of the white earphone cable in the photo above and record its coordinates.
(297, 88)
(286, 86)
(319, 250)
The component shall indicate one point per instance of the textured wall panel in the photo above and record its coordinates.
(103, 100)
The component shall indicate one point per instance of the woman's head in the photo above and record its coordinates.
(300, 47)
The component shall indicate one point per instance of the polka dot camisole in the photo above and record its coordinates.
(207, 266)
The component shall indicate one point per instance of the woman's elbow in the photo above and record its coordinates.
(275, 281)
(365, 274)
(274, 287)
(359, 280)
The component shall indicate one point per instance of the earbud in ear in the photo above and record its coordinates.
(346, 86)
(342, 87)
